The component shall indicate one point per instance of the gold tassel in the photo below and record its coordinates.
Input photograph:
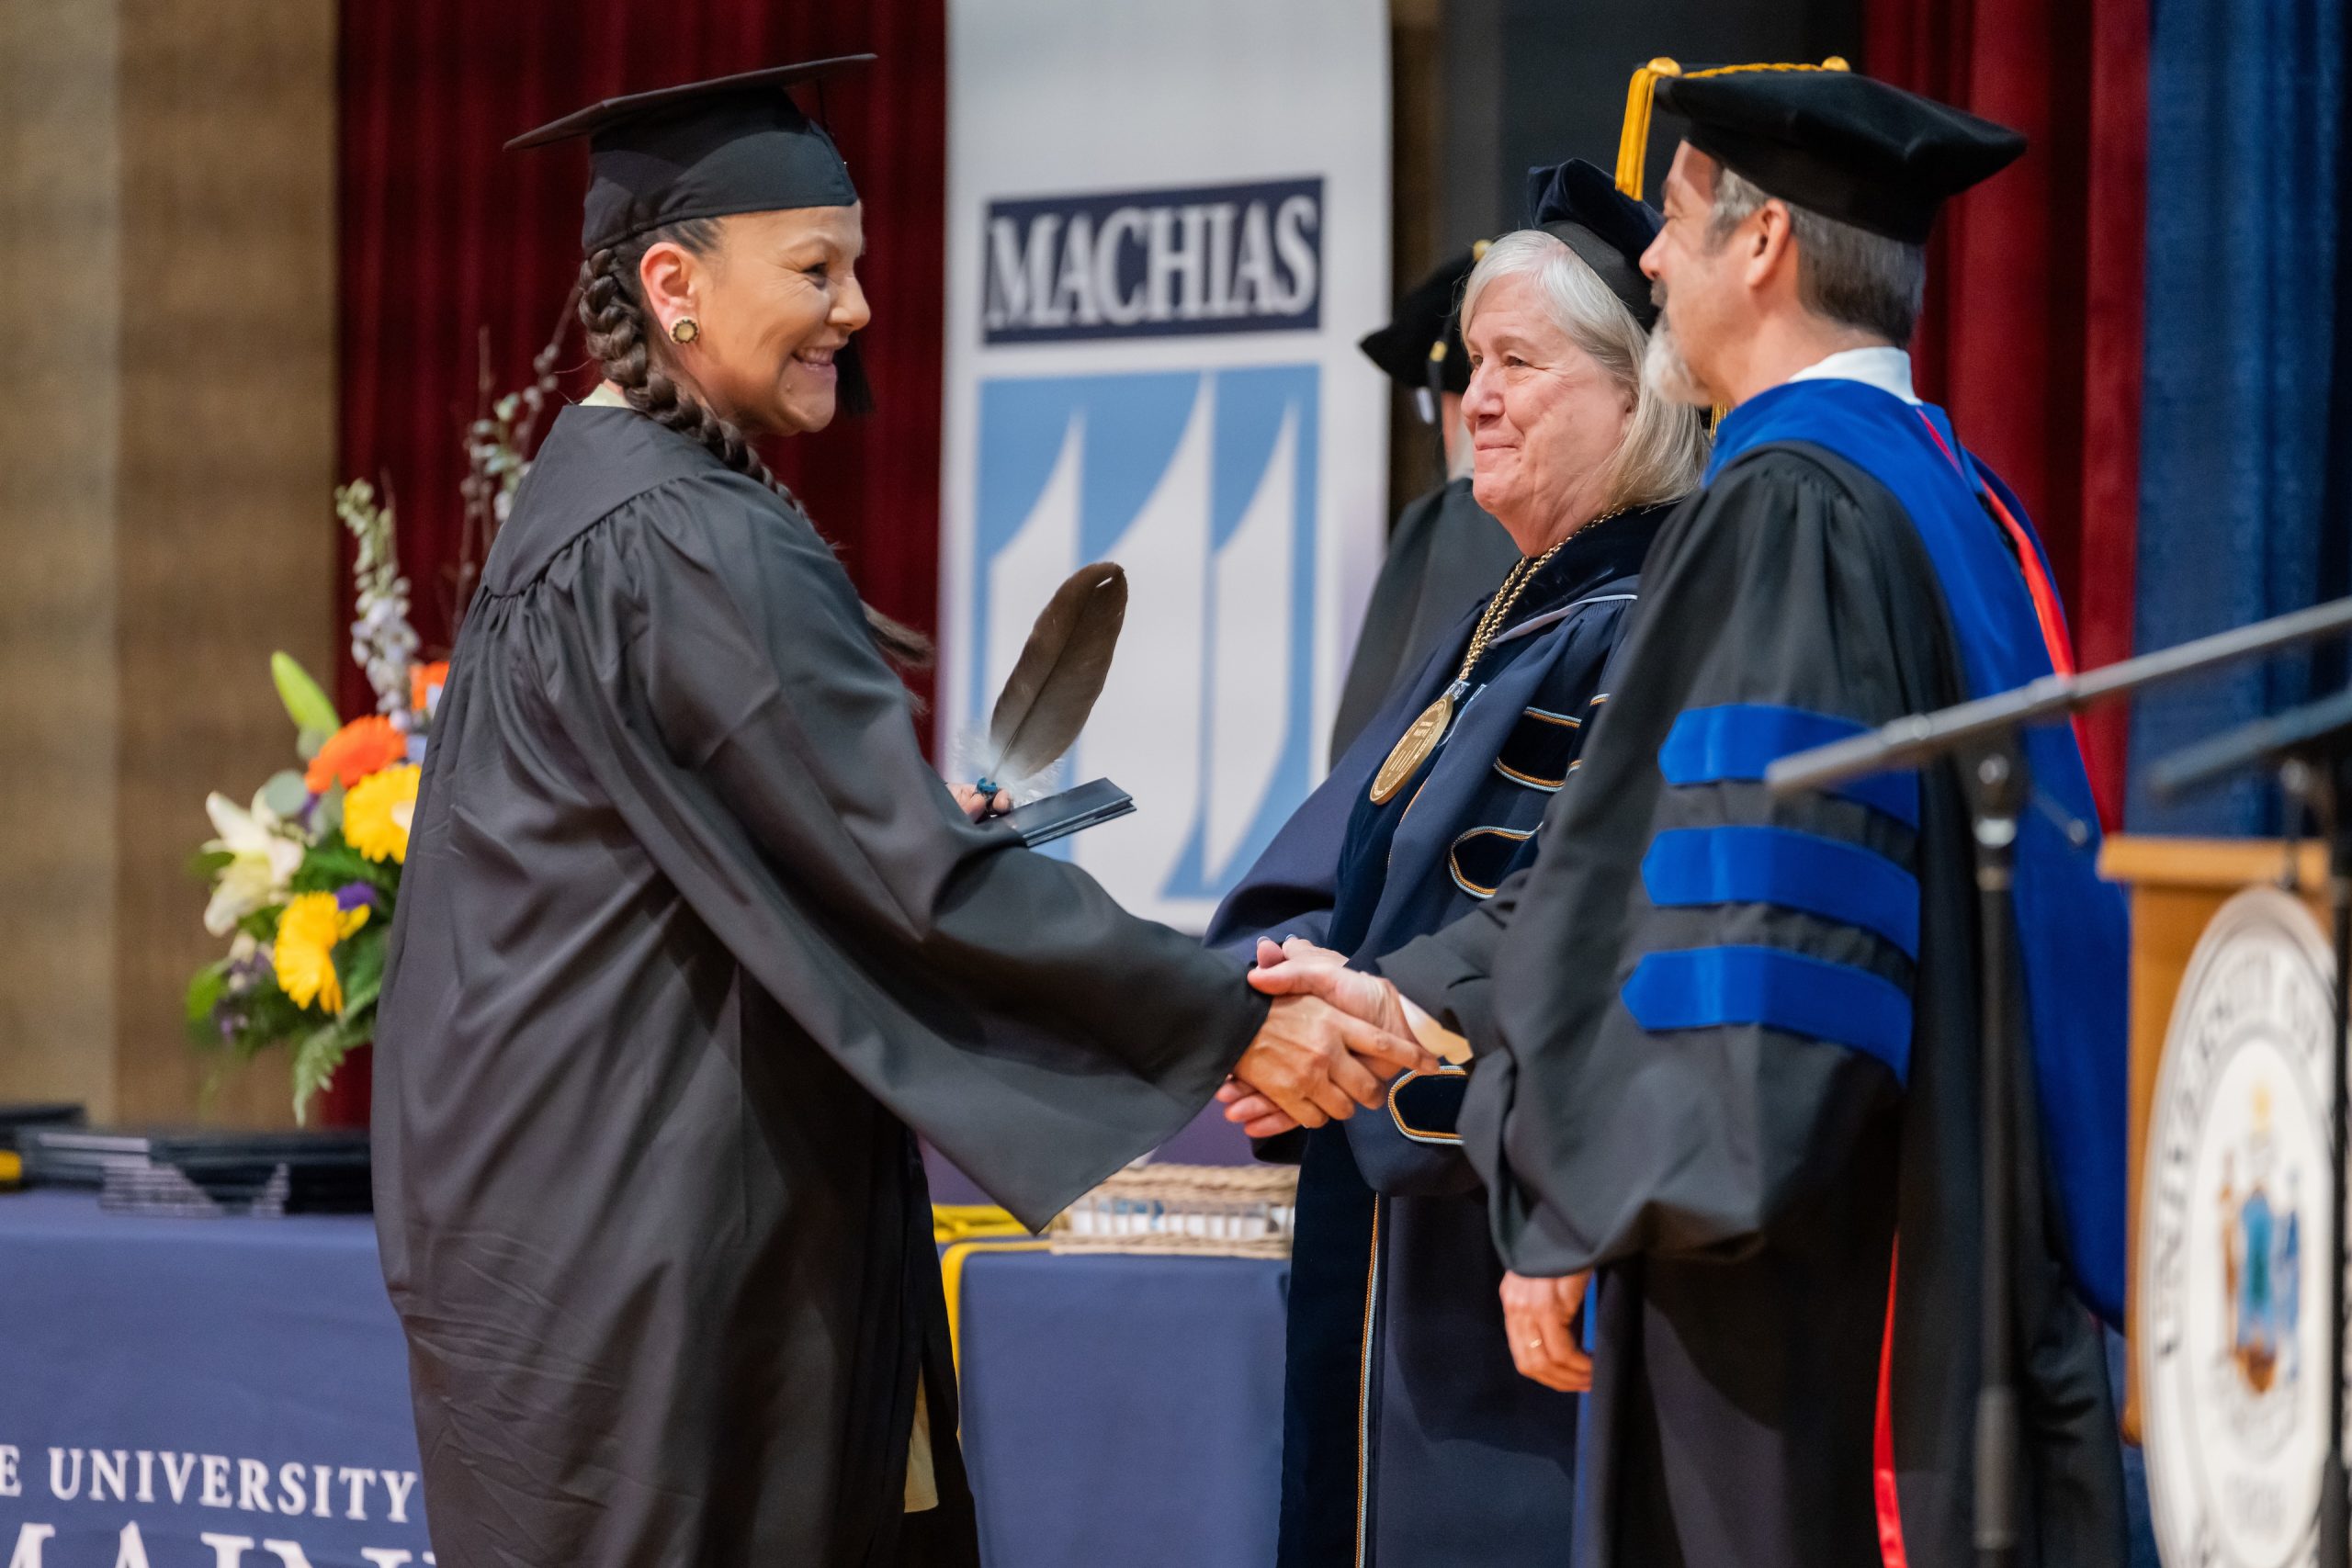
(1634, 142)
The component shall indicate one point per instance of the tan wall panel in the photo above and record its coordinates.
(59, 225)
(166, 174)
(226, 543)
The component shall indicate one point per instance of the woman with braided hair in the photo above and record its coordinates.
(691, 942)
(792, 393)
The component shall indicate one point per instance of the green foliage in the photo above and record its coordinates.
(258, 1017)
(333, 865)
(204, 994)
(270, 1019)
(359, 964)
(321, 1051)
(306, 703)
(207, 864)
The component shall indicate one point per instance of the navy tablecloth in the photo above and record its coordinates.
(1124, 1410)
(246, 1380)
(240, 1379)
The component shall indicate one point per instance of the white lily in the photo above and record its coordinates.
(263, 855)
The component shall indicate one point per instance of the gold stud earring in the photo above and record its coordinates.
(686, 329)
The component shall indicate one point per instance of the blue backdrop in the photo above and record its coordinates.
(2244, 510)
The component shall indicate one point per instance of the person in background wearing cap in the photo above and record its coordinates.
(1726, 1043)
(1409, 1440)
(1445, 553)
(692, 940)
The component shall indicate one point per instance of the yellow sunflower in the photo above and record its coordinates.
(304, 957)
(376, 814)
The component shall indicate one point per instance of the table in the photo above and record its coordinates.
(244, 1386)
(239, 1380)
(244, 1381)
(1124, 1410)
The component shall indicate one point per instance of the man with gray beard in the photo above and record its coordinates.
(1725, 1044)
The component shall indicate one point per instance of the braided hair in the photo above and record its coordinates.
(613, 314)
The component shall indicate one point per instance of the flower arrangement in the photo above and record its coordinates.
(305, 878)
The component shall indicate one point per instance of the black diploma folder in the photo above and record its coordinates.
(1058, 815)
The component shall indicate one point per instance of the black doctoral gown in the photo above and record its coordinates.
(1409, 1437)
(1444, 555)
(1728, 1058)
(690, 938)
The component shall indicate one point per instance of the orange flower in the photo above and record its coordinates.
(362, 746)
(422, 680)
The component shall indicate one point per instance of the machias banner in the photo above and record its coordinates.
(1168, 225)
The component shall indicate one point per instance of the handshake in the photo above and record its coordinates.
(1314, 1061)
(1332, 1040)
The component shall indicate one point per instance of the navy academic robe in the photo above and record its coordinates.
(1410, 1438)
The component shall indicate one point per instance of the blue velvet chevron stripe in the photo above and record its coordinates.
(1767, 987)
(1824, 876)
(1739, 740)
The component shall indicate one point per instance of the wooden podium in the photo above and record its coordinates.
(2175, 887)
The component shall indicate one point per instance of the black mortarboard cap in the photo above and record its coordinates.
(704, 149)
(1847, 146)
(1579, 205)
(1405, 348)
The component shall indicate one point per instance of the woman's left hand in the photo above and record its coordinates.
(978, 807)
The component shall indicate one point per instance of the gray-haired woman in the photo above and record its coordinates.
(1410, 1437)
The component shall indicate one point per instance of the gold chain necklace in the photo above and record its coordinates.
(1426, 732)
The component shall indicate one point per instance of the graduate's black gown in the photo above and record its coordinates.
(1729, 1054)
(690, 938)
(1444, 556)
(1410, 1438)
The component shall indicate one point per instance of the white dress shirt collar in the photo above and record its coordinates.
(1887, 367)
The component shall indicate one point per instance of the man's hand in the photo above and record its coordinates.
(1297, 970)
(1540, 1317)
(1312, 1063)
(978, 807)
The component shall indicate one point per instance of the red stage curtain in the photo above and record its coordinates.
(446, 241)
(2033, 333)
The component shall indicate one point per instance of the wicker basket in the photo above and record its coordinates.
(1215, 1211)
